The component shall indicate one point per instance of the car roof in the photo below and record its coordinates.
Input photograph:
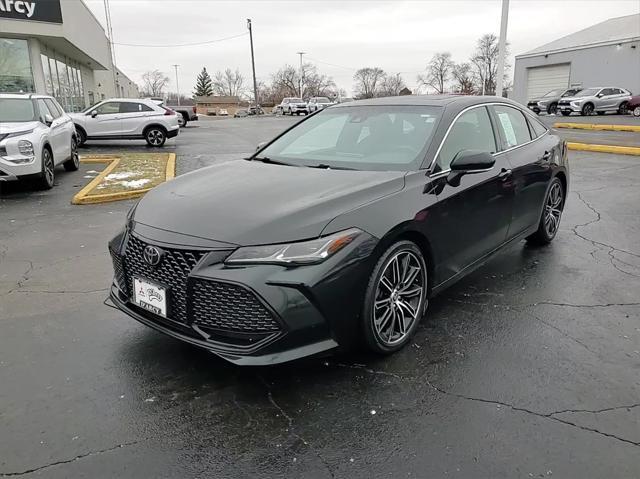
(461, 101)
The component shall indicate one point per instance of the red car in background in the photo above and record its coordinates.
(634, 105)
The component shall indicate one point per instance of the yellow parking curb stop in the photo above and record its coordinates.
(595, 126)
(619, 150)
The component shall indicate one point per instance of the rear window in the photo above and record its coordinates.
(17, 109)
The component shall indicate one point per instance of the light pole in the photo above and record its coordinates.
(300, 80)
(502, 46)
(253, 64)
(177, 84)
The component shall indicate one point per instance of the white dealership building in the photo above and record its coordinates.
(59, 48)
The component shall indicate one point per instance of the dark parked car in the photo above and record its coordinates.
(548, 102)
(339, 230)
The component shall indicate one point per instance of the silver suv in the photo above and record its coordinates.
(599, 100)
(36, 135)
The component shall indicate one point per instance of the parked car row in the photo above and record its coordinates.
(296, 106)
(587, 101)
(36, 134)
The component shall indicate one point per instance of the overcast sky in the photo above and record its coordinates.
(339, 36)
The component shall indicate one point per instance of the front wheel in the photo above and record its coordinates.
(47, 175)
(551, 214)
(395, 299)
(636, 111)
(587, 109)
(155, 136)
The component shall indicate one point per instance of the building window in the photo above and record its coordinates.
(15, 66)
(63, 80)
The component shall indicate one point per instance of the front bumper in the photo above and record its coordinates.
(570, 108)
(253, 315)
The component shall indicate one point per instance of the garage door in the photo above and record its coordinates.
(541, 80)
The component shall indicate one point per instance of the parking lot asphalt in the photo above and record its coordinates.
(529, 367)
(618, 138)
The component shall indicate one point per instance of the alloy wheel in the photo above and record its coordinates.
(553, 209)
(47, 165)
(587, 109)
(636, 111)
(155, 137)
(398, 297)
(74, 153)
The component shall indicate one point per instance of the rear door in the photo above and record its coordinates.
(530, 151)
(134, 117)
(67, 125)
(106, 122)
(57, 132)
(607, 99)
(473, 218)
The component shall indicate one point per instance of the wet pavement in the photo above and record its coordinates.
(529, 367)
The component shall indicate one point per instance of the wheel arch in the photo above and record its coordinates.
(154, 125)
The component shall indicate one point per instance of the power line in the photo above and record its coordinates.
(182, 44)
(331, 64)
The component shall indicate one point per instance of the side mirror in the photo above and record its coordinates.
(48, 119)
(260, 145)
(94, 113)
(600, 95)
(469, 162)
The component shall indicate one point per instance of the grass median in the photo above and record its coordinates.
(126, 176)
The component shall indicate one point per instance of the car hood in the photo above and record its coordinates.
(7, 127)
(251, 203)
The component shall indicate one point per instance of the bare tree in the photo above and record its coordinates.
(285, 82)
(367, 82)
(485, 64)
(463, 78)
(154, 83)
(391, 85)
(228, 83)
(438, 72)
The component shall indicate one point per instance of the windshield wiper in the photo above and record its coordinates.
(266, 159)
(324, 166)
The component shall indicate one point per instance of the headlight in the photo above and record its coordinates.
(305, 252)
(25, 147)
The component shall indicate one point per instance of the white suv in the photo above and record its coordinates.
(35, 136)
(128, 119)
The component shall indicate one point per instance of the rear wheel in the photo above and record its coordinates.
(636, 111)
(73, 163)
(47, 175)
(395, 299)
(551, 214)
(155, 136)
(623, 109)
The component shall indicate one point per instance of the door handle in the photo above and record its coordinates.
(504, 174)
(546, 156)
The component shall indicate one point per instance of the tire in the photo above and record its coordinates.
(636, 111)
(73, 163)
(47, 174)
(565, 113)
(82, 135)
(549, 222)
(587, 109)
(155, 136)
(552, 109)
(623, 109)
(393, 309)
(185, 120)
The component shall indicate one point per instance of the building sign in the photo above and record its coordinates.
(33, 10)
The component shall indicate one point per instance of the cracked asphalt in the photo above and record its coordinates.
(529, 367)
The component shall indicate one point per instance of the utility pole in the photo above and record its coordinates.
(300, 80)
(253, 64)
(502, 46)
(177, 84)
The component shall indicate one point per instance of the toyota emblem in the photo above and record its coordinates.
(152, 255)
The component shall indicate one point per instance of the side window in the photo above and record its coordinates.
(537, 128)
(44, 110)
(472, 131)
(53, 108)
(108, 108)
(607, 92)
(144, 107)
(513, 126)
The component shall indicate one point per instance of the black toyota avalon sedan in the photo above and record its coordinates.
(338, 231)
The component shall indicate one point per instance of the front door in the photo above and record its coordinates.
(472, 218)
(106, 122)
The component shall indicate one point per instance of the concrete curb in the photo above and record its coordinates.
(618, 150)
(82, 197)
(595, 126)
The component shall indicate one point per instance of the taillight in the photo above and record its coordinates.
(169, 112)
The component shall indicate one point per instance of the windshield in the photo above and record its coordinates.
(323, 99)
(86, 110)
(16, 109)
(382, 138)
(588, 92)
(295, 100)
(570, 93)
(553, 93)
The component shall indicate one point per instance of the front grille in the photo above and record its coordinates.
(229, 307)
(173, 270)
(563, 103)
(118, 271)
